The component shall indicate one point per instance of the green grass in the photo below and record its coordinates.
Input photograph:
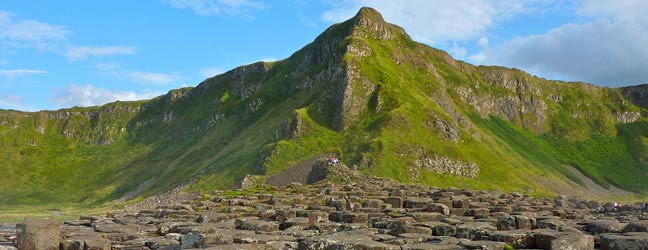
(210, 136)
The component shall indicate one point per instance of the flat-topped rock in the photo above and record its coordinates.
(634, 240)
(38, 234)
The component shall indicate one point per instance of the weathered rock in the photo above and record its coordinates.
(515, 238)
(192, 240)
(358, 215)
(38, 234)
(635, 240)
(438, 208)
(343, 242)
(430, 246)
(637, 226)
(96, 244)
(605, 226)
(394, 201)
(550, 224)
(475, 230)
(258, 225)
(413, 202)
(157, 243)
(482, 245)
(506, 223)
(427, 216)
(551, 240)
(317, 217)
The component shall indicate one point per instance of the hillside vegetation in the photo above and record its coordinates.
(363, 89)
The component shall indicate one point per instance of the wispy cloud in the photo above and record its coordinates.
(210, 72)
(138, 76)
(610, 50)
(12, 101)
(89, 95)
(154, 78)
(83, 52)
(51, 38)
(29, 33)
(435, 21)
(19, 72)
(241, 8)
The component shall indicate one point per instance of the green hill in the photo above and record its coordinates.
(364, 89)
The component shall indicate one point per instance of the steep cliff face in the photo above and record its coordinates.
(363, 90)
(637, 94)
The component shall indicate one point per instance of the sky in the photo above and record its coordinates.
(57, 54)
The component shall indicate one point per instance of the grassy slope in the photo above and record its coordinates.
(393, 129)
(510, 156)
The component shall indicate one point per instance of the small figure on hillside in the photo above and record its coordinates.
(616, 206)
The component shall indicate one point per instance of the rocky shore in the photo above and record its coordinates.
(346, 211)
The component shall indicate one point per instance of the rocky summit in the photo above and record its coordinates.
(346, 211)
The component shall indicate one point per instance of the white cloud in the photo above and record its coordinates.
(89, 95)
(210, 72)
(611, 50)
(137, 76)
(83, 52)
(457, 51)
(11, 101)
(243, 8)
(436, 21)
(107, 67)
(483, 42)
(27, 33)
(268, 59)
(19, 72)
(478, 58)
(154, 78)
(618, 9)
(50, 38)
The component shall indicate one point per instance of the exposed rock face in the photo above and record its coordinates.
(637, 94)
(445, 128)
(349, 90)
(627, 117)
(428, 161)
(444, 165)
(525, 106)
(370, 20)
(247, 80)
(251, 181)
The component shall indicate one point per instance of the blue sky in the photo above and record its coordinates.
(56, 54)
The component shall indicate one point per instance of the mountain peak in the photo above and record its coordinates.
(372, 23)
(368, 14)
